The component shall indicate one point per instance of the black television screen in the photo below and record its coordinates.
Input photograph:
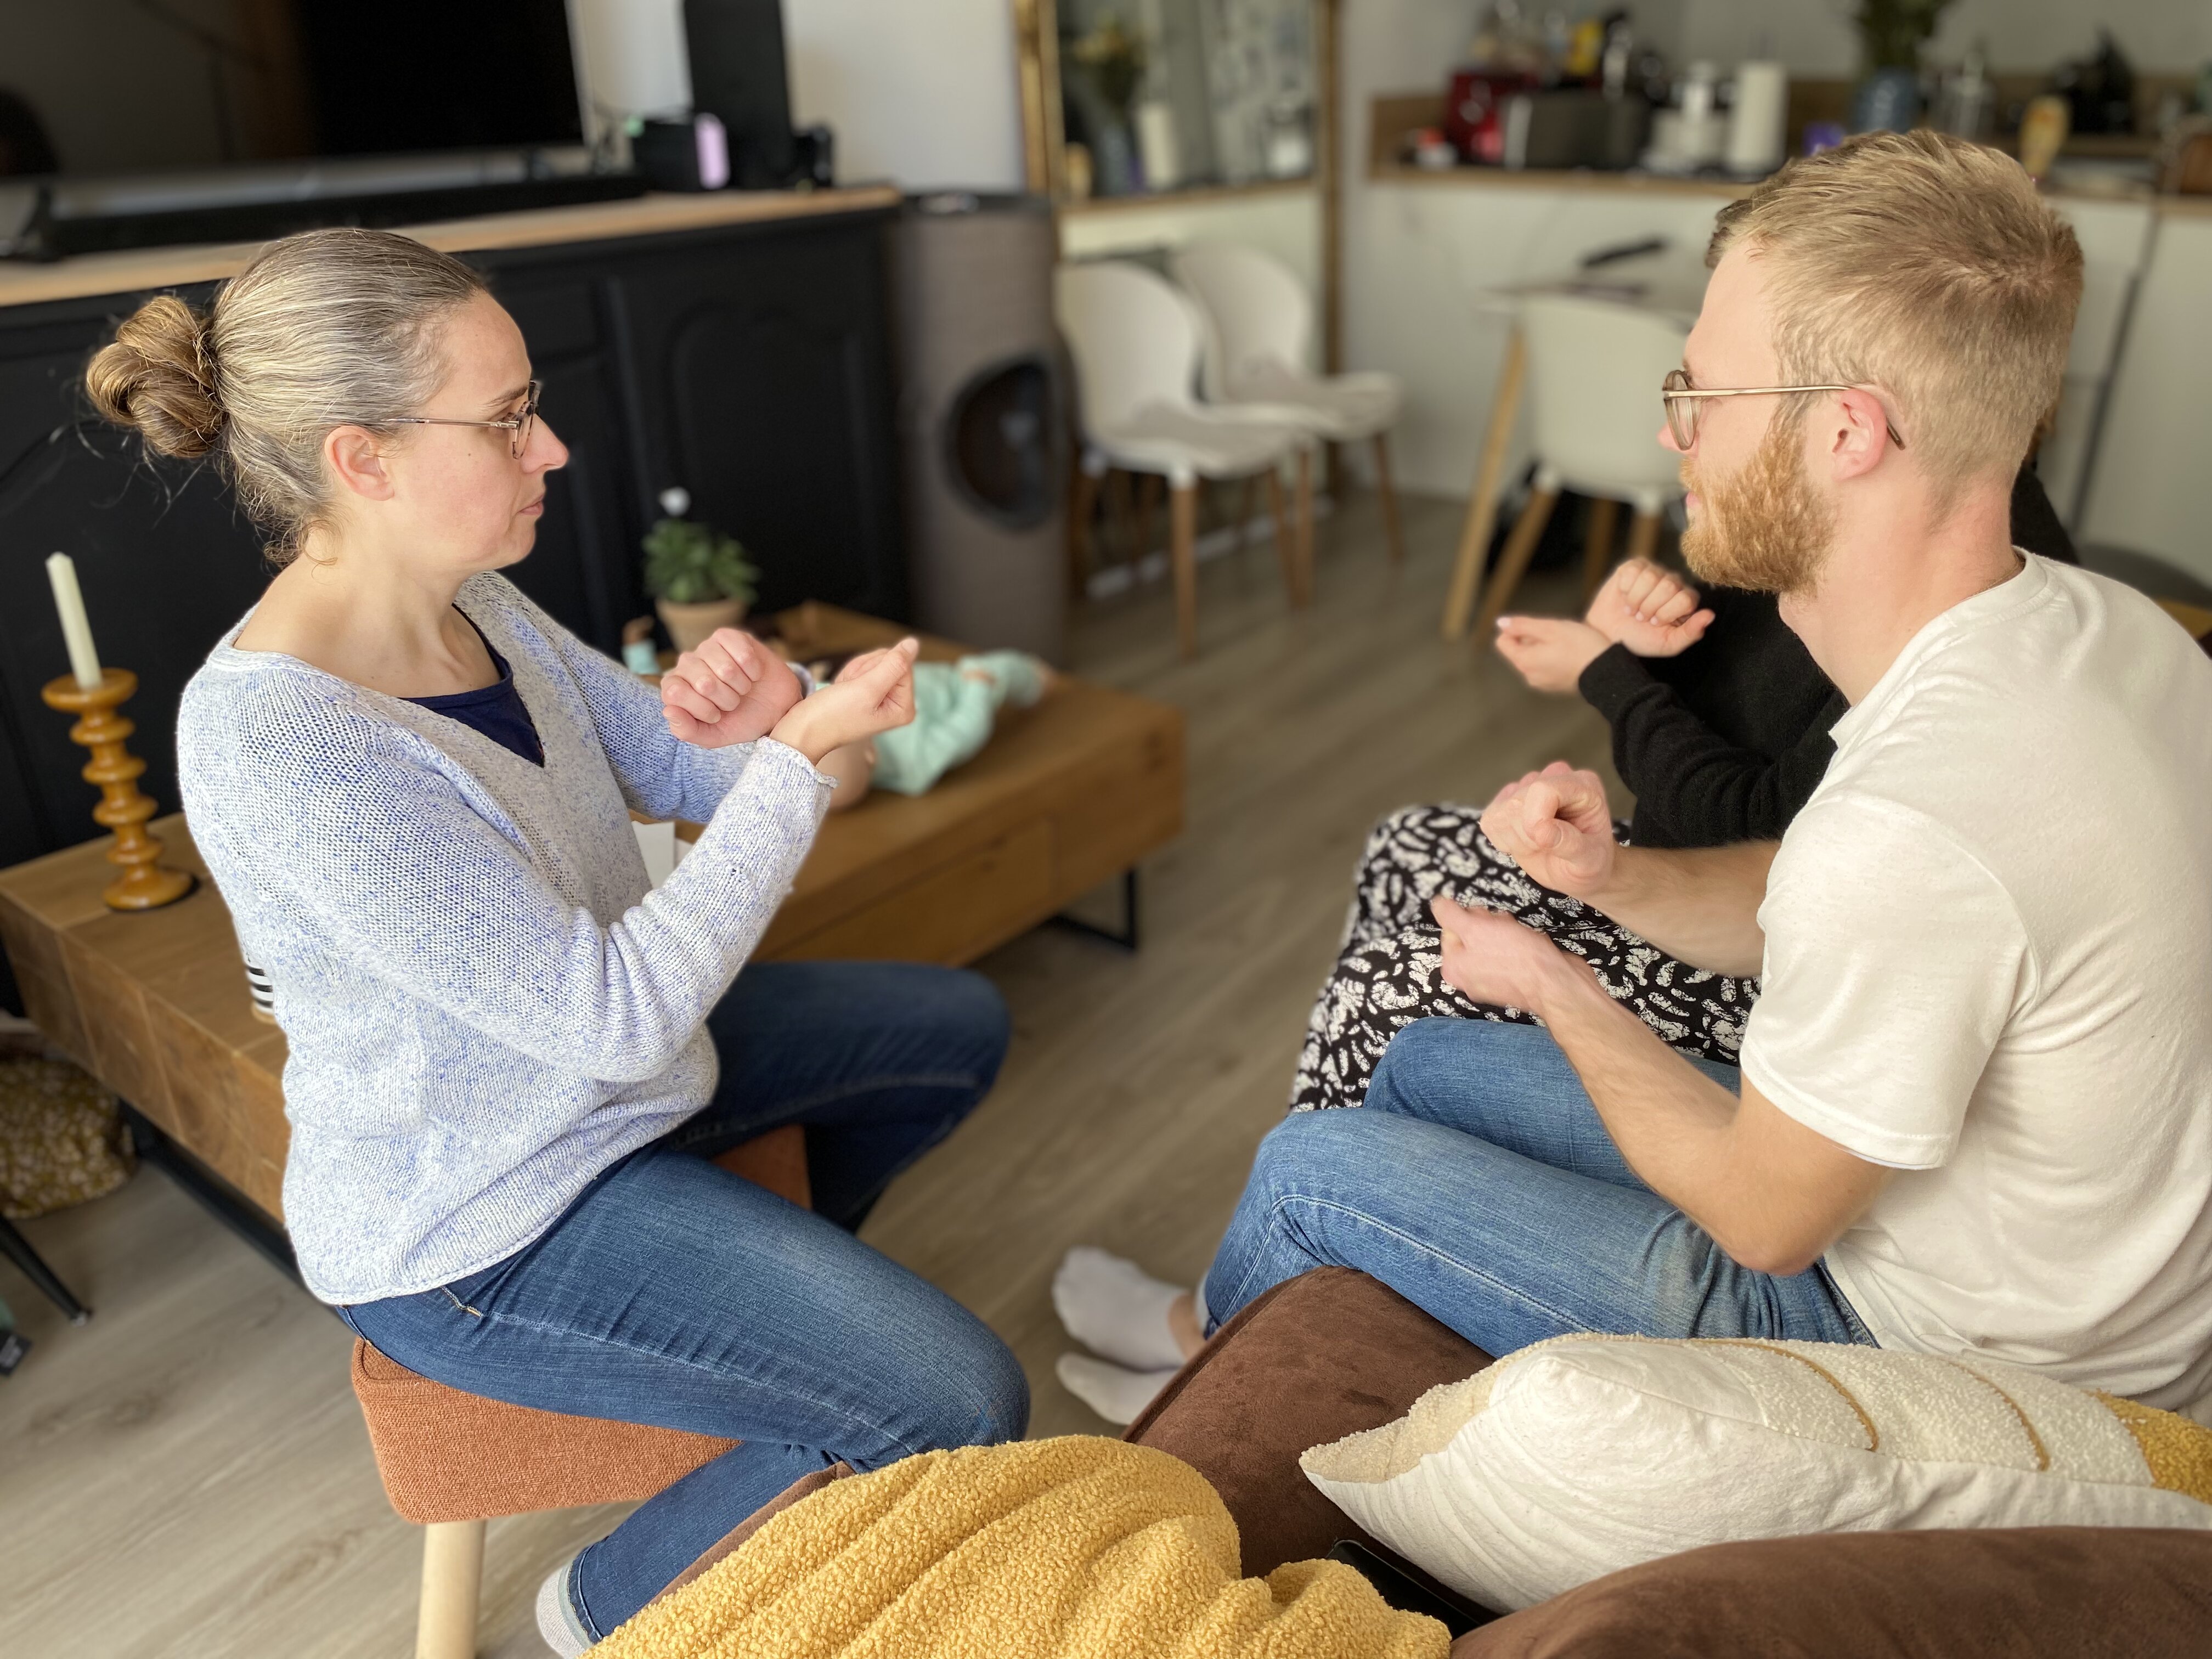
(101, 88)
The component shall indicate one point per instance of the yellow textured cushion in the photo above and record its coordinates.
(1078, 1548)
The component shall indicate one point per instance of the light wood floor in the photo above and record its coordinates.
(188, 1473)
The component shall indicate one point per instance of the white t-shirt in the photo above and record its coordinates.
(1988, 963)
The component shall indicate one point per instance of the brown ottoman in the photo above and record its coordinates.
(1334, 1353)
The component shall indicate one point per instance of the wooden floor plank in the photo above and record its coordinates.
(188, 1475)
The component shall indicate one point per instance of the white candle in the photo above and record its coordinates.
(84, 661)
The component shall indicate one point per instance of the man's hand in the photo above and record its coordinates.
(732, 690)
(1555, 824)
(1551, 652)
(1649, 609)
(1493, 960)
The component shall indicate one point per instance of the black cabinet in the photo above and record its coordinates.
(748, 364)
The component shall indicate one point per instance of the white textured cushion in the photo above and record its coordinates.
(1584, 1454)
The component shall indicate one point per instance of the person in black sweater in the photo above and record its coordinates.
(1721, 732)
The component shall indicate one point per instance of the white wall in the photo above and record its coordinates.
(921, 92)
(1286, 224)
(1816, 37)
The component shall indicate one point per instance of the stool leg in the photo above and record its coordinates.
(1489, 479)
(1184, 512)
(1597, 548)
(1643, 535)
(1513, 559)
(453, 1576)
(1389, 491)
(1083, 501)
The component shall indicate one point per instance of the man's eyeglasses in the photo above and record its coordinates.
(1685, 401)
(522, 423)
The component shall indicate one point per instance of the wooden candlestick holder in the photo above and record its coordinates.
(145, 883)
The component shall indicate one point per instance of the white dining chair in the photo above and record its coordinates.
(1136, 342)
(1259, 347)
(1594, 371)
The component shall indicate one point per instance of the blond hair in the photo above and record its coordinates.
(330, 328)
(1930, 268)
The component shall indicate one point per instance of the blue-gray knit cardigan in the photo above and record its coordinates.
(485, 1004)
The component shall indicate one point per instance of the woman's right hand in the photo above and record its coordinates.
(872, 693)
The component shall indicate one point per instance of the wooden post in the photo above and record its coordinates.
(145, 883)
(452, 1579)
(1482, 506)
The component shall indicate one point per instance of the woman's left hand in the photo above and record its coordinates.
(732, 690)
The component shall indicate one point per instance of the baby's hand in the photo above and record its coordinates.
(732, 690)
(1649, 609)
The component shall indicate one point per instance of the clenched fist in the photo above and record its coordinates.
(1555, 824)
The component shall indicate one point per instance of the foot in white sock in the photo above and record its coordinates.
(556, 1616)
(1115, 1309)
(1115, 1392)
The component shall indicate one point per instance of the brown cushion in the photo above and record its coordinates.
(448, 1456)
(1319, 1356)
(2019, 1593)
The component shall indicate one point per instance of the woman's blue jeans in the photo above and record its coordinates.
(672, 1292)
(1479, 1183)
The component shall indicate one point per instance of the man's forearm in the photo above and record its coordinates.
(1701, 904)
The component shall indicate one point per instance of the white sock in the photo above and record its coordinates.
(557, 1616)
(1116, 1310)
(1115, 1392)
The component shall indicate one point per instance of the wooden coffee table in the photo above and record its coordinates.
(1068, 795)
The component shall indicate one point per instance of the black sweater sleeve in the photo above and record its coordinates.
(1693, 787)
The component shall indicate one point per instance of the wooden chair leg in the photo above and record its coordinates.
(1643, 535)
(1489, 478)
(1301, 595)
(1083, 501)
(1148, 497)
(452, 1577)
(1183, 515)
(1393, 532)
(1121, 513)
(1245, 506)
(1513, 561)
(1286, 552)
(1597, 546)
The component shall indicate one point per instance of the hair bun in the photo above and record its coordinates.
(158, 379)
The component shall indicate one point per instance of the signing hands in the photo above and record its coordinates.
(1555, 824)
(1641, 605)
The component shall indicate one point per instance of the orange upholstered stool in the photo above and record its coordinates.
(451, 1460)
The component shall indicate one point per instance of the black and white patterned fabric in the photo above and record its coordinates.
(1388, 975)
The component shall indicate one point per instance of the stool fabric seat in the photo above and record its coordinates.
(447, 1455)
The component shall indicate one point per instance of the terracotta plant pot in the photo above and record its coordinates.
(689, 625)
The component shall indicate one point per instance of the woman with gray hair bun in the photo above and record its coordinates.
(511, 1059)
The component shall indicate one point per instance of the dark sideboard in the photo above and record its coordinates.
(734, 345)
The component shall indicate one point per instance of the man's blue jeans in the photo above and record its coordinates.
(1479, 1183)
(673, 1292)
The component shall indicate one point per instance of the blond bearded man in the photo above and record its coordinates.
(1974, 1111)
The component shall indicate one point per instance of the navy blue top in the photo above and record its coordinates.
(496, 710)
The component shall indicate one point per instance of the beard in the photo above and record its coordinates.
(1764, 529)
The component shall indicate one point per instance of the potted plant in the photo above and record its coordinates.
(1892, 34)
(699, 578)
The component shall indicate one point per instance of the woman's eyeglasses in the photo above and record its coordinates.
(1684, 402)
(522, 423)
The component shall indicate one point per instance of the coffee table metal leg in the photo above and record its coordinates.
(17, 1249)
(1127, 935)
